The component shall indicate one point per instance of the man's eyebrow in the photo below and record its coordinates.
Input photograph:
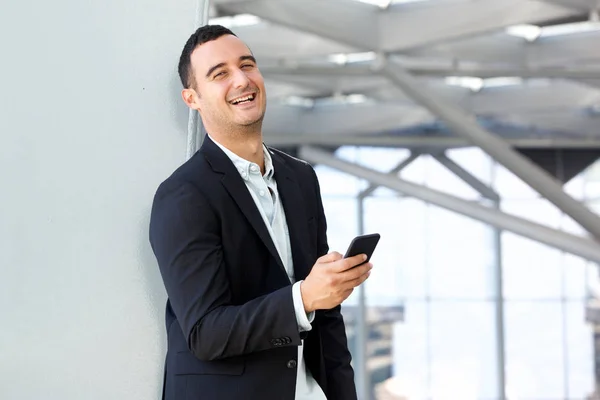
(213, 68)
(219, 65)
(248, 57)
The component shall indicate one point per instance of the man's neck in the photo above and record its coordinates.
(245, 145)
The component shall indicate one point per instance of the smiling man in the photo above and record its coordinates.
(239, 233)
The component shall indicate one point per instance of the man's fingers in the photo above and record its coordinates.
(355, 273)
(358, 279)
(350, 262)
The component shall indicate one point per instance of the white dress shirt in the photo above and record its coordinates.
(263, 190)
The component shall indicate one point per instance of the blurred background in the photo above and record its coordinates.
(465, 132)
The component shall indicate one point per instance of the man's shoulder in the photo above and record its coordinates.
(195, 171)
(291, 161)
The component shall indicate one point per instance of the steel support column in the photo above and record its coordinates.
(466, 126)
(490, 194)
(195, 128)
(363, 379)
(573, 244)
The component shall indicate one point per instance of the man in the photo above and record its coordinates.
(239, 233)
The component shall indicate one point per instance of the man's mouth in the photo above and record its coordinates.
(244, 99)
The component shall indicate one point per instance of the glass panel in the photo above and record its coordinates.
(531, 270)
(460, 256)
(569, 225)
(335, 183)
(342, 226)
(463, 351)
(474, 160)
(444, 351)
(575, 282)
(416, 171)
(575, 187)
(442, 179)
(537, 210)
(592, 190)
(399, 260)
(385, 192)
(510, 186)
(580, 351)
(534, 350)
(595, 205)
(380, 158)
(410, 370)
(592, 173)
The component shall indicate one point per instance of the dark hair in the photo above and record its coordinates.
(202, 35)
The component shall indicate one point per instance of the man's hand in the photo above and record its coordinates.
(332, 280)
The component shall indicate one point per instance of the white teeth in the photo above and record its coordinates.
(236, 101)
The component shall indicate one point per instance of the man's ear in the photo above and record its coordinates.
(190, 97)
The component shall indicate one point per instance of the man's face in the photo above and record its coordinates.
(230, 88)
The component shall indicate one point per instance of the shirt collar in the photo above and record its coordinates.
(245, 167)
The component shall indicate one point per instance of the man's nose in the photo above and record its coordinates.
(240, 79)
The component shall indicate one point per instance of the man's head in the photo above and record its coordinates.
(222, 81)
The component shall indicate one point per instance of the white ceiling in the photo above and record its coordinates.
(526, 68)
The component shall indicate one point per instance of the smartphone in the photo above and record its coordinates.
(363, 244)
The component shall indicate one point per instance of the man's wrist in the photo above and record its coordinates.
(303, 318)
(308, 306)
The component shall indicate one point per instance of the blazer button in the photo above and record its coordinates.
(292, 364)
(276, 342)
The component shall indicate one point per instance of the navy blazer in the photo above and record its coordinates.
(230, 320)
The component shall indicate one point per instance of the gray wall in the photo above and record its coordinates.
(90, 122)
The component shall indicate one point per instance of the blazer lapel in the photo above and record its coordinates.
(297, 222)
(233, 183)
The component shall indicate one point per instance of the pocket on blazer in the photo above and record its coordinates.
(187, 364)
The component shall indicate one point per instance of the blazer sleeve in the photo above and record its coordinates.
(185, 235)
(339, 372)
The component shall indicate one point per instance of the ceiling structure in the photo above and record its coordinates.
(518, 78)
(527, 70)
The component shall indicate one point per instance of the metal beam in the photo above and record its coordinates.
(467, 177)
(466, 126)
(415, 141)
(522, 114)
(505, 49)
(483, 72)
(403, 164)
(573, 244)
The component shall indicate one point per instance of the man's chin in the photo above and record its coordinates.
(250, 122)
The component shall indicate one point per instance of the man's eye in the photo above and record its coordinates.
(247, 66)
(219, 74)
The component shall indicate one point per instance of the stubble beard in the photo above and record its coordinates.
(245, 130)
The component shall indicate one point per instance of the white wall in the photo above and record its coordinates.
(90, 122)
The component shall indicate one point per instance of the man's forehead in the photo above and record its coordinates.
(225, 49)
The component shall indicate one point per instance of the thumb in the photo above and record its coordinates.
(331, 257)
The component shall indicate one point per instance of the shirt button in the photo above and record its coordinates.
(291, 364)
(262, 192)
(253, 168)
